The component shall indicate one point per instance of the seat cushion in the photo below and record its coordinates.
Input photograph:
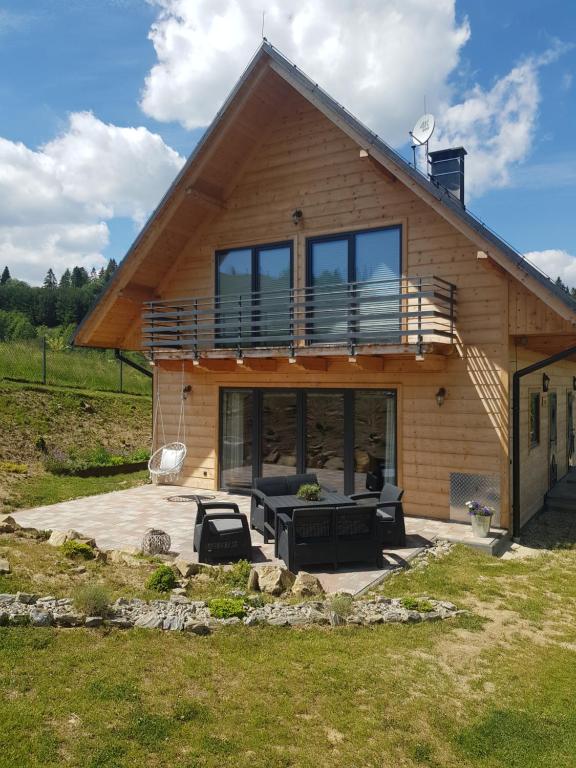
(384, 517)
(225, 526)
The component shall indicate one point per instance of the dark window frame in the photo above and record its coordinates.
(349, 428)
(350, 236)
(534, 429)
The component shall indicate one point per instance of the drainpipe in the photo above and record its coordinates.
(516, 429)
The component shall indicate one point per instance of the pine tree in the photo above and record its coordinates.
(65, 280)
(50, 280)
(5, 276)
(93, 275)
(79, 277)
(111, 267)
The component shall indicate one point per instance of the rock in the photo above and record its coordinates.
(186, 568)
(307, 585)
(335, 619)
(79, 569)
(26, 598)
(4, 566)
(19, 619)
(274, 579)
(202, 578)
(8, 524)
(68, 619)
(253, 581)
(251, 621)
(6, 599)
(40, 618)
(151, 620)
(121, 623)
(173, 623)
(125, 557)
(57, 538)
(100, 556)
(287, 461)
(334, 463)
(197, 627)
(86, 540)
(93, 621)
(178, 596)
(237, 593)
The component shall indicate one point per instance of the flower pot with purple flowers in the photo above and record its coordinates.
(480, 517)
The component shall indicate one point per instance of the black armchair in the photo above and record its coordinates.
(390, 514)
(334, 535)
(306, 537)
(221, 535)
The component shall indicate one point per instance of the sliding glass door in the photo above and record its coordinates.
(344, 436)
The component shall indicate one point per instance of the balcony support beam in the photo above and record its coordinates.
(366, 362)
(212, 364)
(309, 363)
(256, 364)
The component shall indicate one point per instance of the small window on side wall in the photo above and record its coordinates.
(534, 415)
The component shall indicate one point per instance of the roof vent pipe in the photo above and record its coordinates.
(447, 170)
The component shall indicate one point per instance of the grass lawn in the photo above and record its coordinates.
(493, 689)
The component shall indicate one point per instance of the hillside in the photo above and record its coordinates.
(39, 424)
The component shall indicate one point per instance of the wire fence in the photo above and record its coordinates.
(37, 362)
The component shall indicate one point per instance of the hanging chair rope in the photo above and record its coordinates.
(168, 459)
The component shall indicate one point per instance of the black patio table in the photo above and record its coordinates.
(285, 504)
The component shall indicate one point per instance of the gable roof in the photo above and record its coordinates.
(202, 182)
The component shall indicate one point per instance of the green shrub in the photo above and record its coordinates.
(163, 579)
(309, 492)
(417, 604)
(341, 604)
(227, 607)
(92, 600)
(237, 576)
(75, 549)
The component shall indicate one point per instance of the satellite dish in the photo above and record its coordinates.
(423, 129)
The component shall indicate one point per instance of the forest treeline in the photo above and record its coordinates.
(52, 309)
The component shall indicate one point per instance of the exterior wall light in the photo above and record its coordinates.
(441, 396)
(297, 216)
(545, 382)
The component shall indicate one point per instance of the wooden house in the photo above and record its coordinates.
(328, 307)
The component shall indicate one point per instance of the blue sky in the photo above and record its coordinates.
(69, 57)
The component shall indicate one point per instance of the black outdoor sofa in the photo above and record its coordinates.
(221, 533)
(329, 535)
(274, 486)
(390, 514)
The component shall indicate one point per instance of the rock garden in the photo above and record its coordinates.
(62, 579)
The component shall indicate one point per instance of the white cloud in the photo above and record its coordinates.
(555, 263)
(378, 58)
(496, 126)
(57, 199)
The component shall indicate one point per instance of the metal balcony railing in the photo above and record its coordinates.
(407, 310)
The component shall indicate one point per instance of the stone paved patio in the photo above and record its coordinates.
(119, 519)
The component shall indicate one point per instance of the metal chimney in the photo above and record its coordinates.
(447, 170)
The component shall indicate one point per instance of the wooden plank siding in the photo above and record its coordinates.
(304, 161)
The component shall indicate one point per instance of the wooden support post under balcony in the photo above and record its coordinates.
(366, 362)
(256, 364)
(309, 363)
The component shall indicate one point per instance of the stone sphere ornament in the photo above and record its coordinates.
(155, 542)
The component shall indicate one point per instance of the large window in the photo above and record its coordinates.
(253, 294)
(534, 418)
(350, 277)
(342, 435)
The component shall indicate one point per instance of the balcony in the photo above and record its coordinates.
(372, 318)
